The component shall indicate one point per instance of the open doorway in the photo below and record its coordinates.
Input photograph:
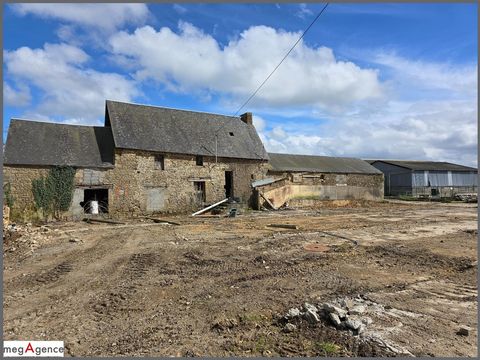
(229, 184)
(99, 195)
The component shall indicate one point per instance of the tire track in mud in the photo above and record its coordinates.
(132, 277)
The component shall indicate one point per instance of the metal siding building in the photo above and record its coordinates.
(426, 178)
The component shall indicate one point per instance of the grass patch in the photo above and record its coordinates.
(327, 348)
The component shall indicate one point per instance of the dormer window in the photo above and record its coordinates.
(231, 133)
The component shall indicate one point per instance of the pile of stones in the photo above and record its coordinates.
(345, 314)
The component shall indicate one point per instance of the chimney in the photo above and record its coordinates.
(247, 118)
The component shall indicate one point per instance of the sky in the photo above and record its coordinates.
(374, 81)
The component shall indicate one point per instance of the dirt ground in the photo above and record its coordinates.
(220, 286)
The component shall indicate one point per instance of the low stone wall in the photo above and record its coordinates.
(325, 187)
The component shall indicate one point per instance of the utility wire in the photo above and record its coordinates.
(268, 77)
(280, 63)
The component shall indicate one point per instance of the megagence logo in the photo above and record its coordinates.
(33, 348)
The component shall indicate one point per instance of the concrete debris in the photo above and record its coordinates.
(311, 316)
(293, 313)
(74, 240)
(342, 314)
(289, 328)
(353, 324)
(335, 319)
(464, 330)
(357, 310)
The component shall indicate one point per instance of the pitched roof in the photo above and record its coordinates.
(427, 165)
(324, 164)
(158, 129)
(42, 143)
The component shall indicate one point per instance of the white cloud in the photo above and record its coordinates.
(427, 130)
(105, 16)
(461, 79)
(69, 89)
(179, 8)
(192, 61)
(303, 11)
(19, 96)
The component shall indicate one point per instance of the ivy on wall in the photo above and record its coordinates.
(53, 194)
(7, 195)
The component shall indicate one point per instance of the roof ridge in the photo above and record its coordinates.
(55, 123)
(327, 156)
(171, 108)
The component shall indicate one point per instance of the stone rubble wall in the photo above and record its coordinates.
(134, 173)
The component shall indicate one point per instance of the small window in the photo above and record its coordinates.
(231, 133)
(159, 162)
(199, 160)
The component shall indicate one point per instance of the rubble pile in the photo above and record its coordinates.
(345, 314)
(467, 197)
(25, 238)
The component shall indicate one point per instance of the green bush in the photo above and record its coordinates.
(53, 194)
(7, 195)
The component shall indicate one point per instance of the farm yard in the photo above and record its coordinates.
(401, 275)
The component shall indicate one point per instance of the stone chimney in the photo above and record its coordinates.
(247, 118)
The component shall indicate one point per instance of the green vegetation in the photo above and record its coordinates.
(53, 194)
(328, 348)
(7, 195)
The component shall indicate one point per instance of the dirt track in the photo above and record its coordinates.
(217, 287)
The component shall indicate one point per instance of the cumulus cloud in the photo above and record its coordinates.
(69, 88)
(190, 60)
(19, 96)
(426, 130)
(104, 16)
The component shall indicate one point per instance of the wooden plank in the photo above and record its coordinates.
(88, 220)
(209, 207)
(268, 201)
(284, 226)
(157, 220)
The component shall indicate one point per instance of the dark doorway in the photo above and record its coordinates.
(229, 184)
(200, 192)
(100, 195)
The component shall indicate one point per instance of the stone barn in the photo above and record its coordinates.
(145, 159)
(307, 177)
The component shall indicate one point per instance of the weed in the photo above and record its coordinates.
(328, 348)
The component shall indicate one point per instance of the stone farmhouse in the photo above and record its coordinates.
(144, 159)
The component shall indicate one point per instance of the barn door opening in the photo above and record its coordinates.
(200, 195)
(229, 184)
(95, 201)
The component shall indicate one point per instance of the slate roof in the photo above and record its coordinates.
(321, 164)
(42, 143)
(427, 165)
(158, 129)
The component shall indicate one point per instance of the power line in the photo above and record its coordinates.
(280, 63)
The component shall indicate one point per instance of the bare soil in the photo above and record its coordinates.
(220, 286)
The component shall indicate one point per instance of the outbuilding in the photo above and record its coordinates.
(309, 177)
(426, 178)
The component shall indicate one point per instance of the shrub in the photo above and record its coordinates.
(7, 195)
(53, 194)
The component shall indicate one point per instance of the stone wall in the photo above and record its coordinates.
(20, 179)
(134, 181)
(323, 187)
(135, 177)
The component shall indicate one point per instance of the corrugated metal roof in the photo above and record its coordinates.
(42, 143)
(427, 165)
(152, 128)
(322, 164)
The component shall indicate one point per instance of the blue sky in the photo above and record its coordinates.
(392, 80)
